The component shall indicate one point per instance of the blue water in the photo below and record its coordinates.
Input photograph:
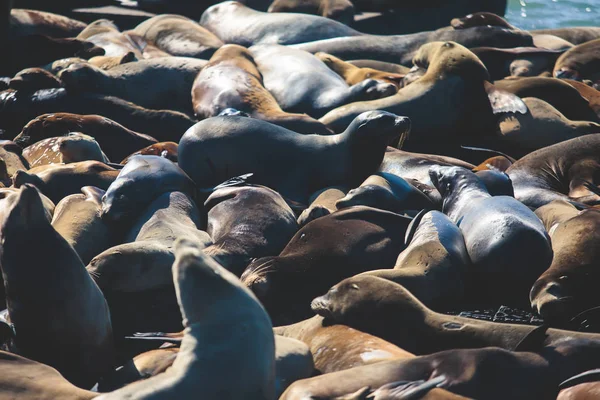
(540, 14)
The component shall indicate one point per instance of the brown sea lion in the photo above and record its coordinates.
(339, 10)
(33, 79)
(46, 202)
(107, 62)
(231, 79)
(56, 66)
(519, 61)
(480, 19)
(105, 34)
(215, 150)
(580, 62)
(63, 309)
(380, 65)
(500, 163)
(323, 252)
(213, 300)
(25, 22)
(74, 147)
(322, 203)
(575, 34)
(551, 42)
(338, 347)
(167, 150)
(353, 74)
(11, 156)
(114, 139)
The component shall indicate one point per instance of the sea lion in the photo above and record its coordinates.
(247, 222)
(33, 79)
(73, 147)
(17, 110)
(435, 264)
(379, 65)
(167, 150)
(301, 83)
(566, 288)
(580, 62)
(231, 79)
(49, 206)
(338, 347)
(126, 81)
(75, 318)
(354, 75)
(105, 34)
(178, 36)
(244, 339)
(322, 203)
(558, 172)
(339, 10)
(589, 93)
(58, 181)
(105, 62)
(323, 252)
(11, 160)
(500, 163)
(142, 180)
(481, 19)
(386, 192)
(519, 61)
(497, 230)
(233, 22)
(56, 66)
(551, 42)
(33, 22)
(576, 34)
(541, 126)
(583, 391)
(214, 150)
(114, 139)
(496, 182)
(77, 220)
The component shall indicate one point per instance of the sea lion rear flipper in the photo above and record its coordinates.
(504, 102)
(587, 376)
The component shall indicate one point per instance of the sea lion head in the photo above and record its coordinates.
(33, 79)
(80, 147)
(449, 180)
(25, 209)
(48, 125)
(81, 77)
(450, 58)
(365, 195)
(567, 73)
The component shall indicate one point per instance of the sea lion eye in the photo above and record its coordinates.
(354, 286)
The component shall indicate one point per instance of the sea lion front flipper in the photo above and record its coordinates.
(504, 102)
(534, 340)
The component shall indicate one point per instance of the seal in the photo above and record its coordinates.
(77, 219)
(247, 222)
(167, 150)
(338, 10)
(354, 75)
(142, 180)
(58, 181)
(435, 264)
(322, 253)
(227, 307)
(301, 83)
(518, 61)
(77, 318)
(580, 62)
(558, 172)
(178, 36)
(481, 19)
(114, 139)
(565, 289)
(231, 79)
(74, 147)
(215, 150)
(492, 226)
(32, 79)
(233, 22)
(338, 347)
(322, 203)
(126, 81)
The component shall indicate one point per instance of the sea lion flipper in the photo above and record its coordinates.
(412, 227)
(504, 102)
(587, 376)
(534, 340)
(403, 390)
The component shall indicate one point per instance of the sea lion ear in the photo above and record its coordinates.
(504, 102)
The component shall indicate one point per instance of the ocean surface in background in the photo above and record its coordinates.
(540, 14)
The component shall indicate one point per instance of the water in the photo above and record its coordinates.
(540, 14)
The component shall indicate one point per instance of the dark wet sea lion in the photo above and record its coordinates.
(338, 347)
(496, 182)
(33, 79)
(323, 252)
(575, 35)
(17, 110)
(580, 62)
(114, 139)
(233, 22)
(589, 93)
(73, 147)
(247, 222)
(231, 79)
(353, 74)
(558, 172)
(300, 82)
(480, 19)
(167, 150)
(212, 300)
(339, 10)
(64, 306)
(322, 203)
(215, 150)
(519, 61)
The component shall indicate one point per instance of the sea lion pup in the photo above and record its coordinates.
(541, 126)
(386, 192)
(167, 150)
(17, 111)
(338, 347)
(231, 80)
(566, 288)
(178, 36)
(560, 94)
(576, 34)
(580, 62)
(77, 220)
(126, 81)
(558, 172)
(233, 22)
(33, 79)
(73, 147)
(215, 150)
(247, 222)
(322, 203)
(323, 252)
(353, 74)
(497, 230)
(339, 10)
(519, 61)
(435, 264)
(114, 139)
(302, 83)
(481, 19)
(141, 181)
(212, 300)
(77, 318)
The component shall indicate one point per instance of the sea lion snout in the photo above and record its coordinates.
(321, 306)
(550, 301)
